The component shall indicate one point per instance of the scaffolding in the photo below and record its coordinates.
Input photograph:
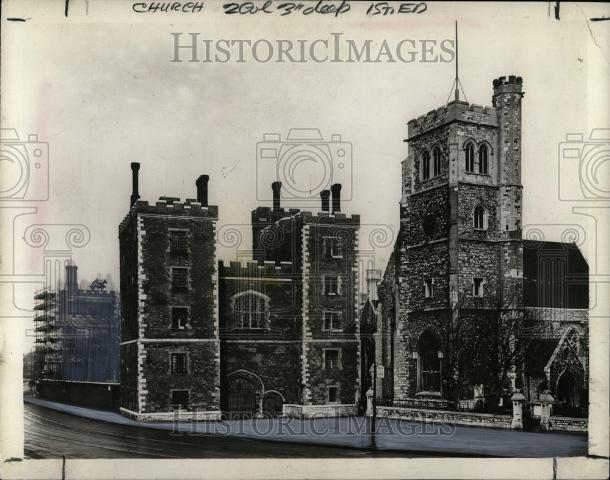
(47, 348)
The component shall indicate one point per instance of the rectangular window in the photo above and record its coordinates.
(178, 243)
(178, 363)
(333, 247)
(180, 399)
(331, 359)
(332, 285)
(333, 394)
(332, 321)
(179, 279)
(428, 288)
(477, 287)
(180, 318)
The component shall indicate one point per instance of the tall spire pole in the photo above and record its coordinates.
(457, 78)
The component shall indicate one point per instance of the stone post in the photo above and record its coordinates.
(546, 409)
(369, 401)
(518, 400)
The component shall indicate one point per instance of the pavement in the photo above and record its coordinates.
(392, 435)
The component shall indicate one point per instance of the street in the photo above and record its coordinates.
(51, 434)
(53, 429)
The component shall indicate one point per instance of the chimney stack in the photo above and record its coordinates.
(202, 189)
(325, 196)
(276, 187)
(135, 195)
(336, 191)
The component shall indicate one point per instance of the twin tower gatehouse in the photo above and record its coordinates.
(277, 333)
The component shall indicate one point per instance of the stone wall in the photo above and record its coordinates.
(200, 380)
(318, 411)
(569, 424)
(446, 417)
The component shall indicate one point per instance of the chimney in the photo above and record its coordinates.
(325, 196)
(202, 189)
(276, 187)
(135, 167)
(336, 191)
(71, 279)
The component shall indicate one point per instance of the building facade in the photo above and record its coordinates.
(453, 307)
(275, 333)
(77, 332)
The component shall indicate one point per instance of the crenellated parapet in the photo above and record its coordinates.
(454, 111)
(172, 206)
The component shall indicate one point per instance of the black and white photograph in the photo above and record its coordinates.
(304, 239)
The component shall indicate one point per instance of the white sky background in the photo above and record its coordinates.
(103, 93)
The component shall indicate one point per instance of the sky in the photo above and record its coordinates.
(101, 89)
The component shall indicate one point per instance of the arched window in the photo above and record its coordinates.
(429, 363)
(483, 161)
(425, 165)
(250, 310)
(470, 157)
(479, 219)
(437, 161)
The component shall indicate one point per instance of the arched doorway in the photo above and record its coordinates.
(568, 394)
(272, 404)
(429, 364)
(241, 396)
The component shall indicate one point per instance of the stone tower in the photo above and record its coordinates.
(170, 347)
(460, 252)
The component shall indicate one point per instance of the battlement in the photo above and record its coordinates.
(282, 216)
(326, 217)
(454, 111)
(268, 214)
(254, 269)
(512, 84)
(171, 206)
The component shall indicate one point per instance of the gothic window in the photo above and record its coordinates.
(437, 161)
(180, 316)
(483, 159)
(425, 165)
(477, 287)
(429, 363)
(479, 218)
(251, 310)
(428, 288)
(470, 157)
(429, 224)
(178, 363)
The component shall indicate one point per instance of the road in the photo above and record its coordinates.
(51, 434)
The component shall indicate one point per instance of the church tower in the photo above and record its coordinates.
(461, 253)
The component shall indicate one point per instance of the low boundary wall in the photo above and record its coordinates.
(103, 396)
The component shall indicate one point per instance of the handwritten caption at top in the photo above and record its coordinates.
(322, 7)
